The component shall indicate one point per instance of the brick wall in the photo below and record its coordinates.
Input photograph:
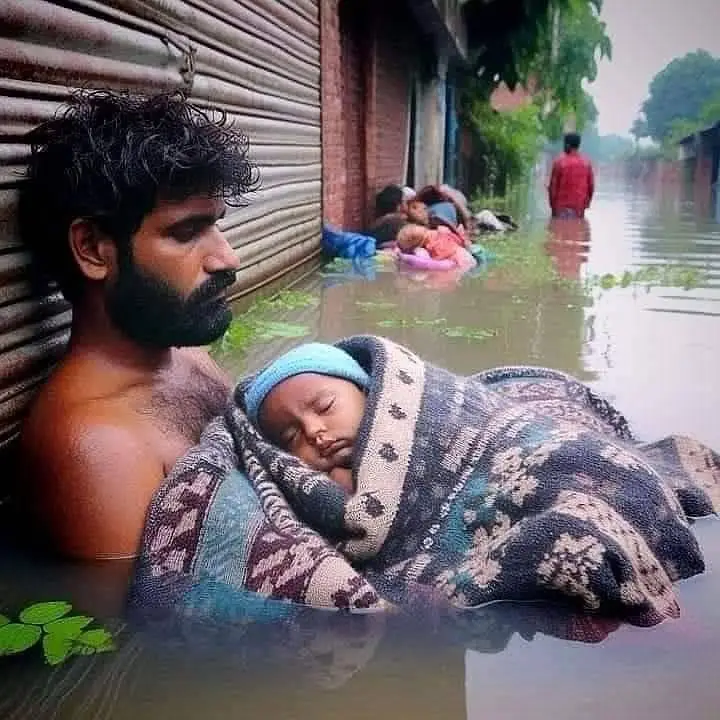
(368, 56)
(355, 56)
(333, 176)
(387, 119)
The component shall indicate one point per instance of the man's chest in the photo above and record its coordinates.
(182, 402)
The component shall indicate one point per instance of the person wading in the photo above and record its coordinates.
(120, 207)
(572, 183)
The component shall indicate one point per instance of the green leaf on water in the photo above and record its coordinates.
(68, 627)
(375, 305)
(419, 322)
(467, 333)
(608, 281)
(45, 612)
(4, 620)
(269, 330)
(15, 637)
(57, 648)
(98, 640)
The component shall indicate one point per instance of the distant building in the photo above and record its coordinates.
(699, 159)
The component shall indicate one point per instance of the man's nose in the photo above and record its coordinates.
(221, 256)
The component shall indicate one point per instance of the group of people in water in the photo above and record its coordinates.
(433, 224)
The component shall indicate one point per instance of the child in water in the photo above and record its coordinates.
(310, 402)
(437, 244)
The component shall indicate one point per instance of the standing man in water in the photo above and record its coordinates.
(120, 207)
(572, 182)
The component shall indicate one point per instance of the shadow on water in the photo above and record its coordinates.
(652, 350)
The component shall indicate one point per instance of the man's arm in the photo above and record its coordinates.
(93, 483)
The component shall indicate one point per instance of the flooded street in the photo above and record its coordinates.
(654, 352)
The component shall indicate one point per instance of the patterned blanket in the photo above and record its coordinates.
(514, 484)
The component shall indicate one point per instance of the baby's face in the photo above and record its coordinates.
(316, 418)
(417, 212)
(411, 236)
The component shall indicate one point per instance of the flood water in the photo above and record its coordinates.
(653, 353)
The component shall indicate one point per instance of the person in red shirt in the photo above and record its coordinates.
(572, 183)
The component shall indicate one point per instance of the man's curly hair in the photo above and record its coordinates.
(110, 156)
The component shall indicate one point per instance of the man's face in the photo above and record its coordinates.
(169, 286)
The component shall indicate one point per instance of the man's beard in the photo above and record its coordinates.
(150, 312)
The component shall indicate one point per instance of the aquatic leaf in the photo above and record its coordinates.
(419, 322)
(285, 300)
(56, 648)
(45, 612)
(394, 323)
(608, 281)
(4, 620)
(467, 333)
(16, 637)
(68, 627)
(98, 640)
(375, 305)
(268, 330)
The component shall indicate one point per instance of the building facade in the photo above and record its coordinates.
(338, 98)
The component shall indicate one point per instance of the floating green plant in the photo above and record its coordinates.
(337, 265)
(255, 326)
(523, 260)
(60, 634)
(369, 305)
(284, 300)
(468, 333)
(440, 324)
(671, 275)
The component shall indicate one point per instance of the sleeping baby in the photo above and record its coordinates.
(310, 402)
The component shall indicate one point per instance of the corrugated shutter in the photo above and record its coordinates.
(257, 59)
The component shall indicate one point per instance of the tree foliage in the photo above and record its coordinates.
(552, 46)
(507, 144)
(686, 92)
(566, 61)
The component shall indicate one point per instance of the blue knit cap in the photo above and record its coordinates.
(310, 358)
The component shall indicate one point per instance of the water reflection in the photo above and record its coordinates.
(321, 665)
(568, 244)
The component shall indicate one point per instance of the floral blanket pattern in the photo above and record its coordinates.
(514, 484)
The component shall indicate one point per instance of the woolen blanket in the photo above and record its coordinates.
(514, 484)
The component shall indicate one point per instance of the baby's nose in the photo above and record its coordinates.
(322, 440)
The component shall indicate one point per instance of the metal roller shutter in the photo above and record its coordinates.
(259, 60)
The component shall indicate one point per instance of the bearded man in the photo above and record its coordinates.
(120, 208)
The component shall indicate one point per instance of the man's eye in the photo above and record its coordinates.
(185, 235)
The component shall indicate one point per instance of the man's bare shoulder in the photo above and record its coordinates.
(91, 473)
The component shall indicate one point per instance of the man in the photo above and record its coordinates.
(120, 207)
(571, 183)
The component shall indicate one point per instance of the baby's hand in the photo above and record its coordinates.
(343, 477)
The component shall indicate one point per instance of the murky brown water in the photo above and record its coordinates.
(654, 353)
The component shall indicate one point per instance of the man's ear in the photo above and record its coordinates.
(94, 252)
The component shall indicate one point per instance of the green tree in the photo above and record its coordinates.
(507, 143)
(565, 61)
(678, 94)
